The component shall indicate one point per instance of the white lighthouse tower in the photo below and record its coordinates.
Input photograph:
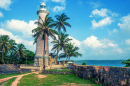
(39, 55)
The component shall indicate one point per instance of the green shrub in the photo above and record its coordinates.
(127, 81)
(84, 63)
(94, 79)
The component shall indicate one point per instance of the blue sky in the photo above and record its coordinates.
(100, 28)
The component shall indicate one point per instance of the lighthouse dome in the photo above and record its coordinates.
(43, 6)
(43, 9)
(43, 3)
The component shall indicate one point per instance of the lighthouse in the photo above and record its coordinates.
(39, 59)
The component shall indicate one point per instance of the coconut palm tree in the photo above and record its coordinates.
(11, 58)
(60, 44)
(12, 45)
(4, 45)
(12, 49)
(71, 52)
(61, 22)
(44, 31)
(20, 51)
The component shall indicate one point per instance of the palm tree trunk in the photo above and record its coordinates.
(17, 59)
(56, 56)
(44, 51)
(3, 58)
(57, 49)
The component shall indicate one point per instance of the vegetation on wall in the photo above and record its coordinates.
(127, 63)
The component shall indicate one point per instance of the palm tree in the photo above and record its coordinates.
(44, 31)
(11, 58)
(20, 51)
(12, 45)
(60, 44)
(4, 45)
(12, 49)
(71, 52)
(61, 22)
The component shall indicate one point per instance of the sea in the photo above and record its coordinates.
(116, 63)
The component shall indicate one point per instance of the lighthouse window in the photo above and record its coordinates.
(42, 6)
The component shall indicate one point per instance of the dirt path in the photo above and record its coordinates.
(17, 79)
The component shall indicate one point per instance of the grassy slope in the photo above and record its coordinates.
(51, 80)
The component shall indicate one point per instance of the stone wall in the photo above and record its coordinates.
(107, 76)
(9, 67)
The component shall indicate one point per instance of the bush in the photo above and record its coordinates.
(94, 80)
(84, 63)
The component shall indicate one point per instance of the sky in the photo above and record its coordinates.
(100, 28)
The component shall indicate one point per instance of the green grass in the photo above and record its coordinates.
(51, 80)
(9, 75)
(9, 82)
(97, 85)
(63, 70)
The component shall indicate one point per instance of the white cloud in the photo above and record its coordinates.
(58, 8)
(98, 47)
(75, 41)
(28, 44)
(119, 50)
(113, 31)
(59, 1)
(102, 13)
(19, 26)
(128, 41)
(5, 4)
(94, 46)
(103, 22)
(94, 4)
(125, 25)
(106, 14)
(112, 45)
(92, 42)
(1, 14)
